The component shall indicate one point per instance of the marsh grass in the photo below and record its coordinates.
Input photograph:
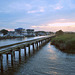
(65, 42)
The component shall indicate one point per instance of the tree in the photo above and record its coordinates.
(4, 31)
(60, 32)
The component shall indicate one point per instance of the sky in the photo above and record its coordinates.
(40, 15)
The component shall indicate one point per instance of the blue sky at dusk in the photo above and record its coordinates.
(47, 15)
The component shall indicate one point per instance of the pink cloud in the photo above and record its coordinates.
(56, 26)
(58, 7)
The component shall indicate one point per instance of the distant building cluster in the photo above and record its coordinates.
(26, 32)
(21, 32)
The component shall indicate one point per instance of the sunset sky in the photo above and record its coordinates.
(46, 15)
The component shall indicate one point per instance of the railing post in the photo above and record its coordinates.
(1, 62)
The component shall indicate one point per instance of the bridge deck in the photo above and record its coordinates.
(15, 46)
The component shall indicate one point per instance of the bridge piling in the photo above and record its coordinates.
(25, 50)
(12, 55)
(29, 50)
(33, 47)
(1, 62)
(19, 54)
(37, 45)
(7, 57)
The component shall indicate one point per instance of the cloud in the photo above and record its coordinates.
(16, 7)
(39, 10)
(50, 13)
(56, 26)
(58, 7)
(20, 6)
(70, 4)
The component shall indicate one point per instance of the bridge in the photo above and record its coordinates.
(10, 49)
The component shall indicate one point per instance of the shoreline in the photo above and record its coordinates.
(13, 37)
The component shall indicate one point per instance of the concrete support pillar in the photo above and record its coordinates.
(12, 55)
(7, 57)
(29, 49)
(19, 54)
(41, 43)
(45, 41)
(37, 45)
(33, 47)
(1, 62)
(25, 50)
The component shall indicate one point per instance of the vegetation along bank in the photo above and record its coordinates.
(65, 42)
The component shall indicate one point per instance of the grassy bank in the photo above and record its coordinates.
(65, 42)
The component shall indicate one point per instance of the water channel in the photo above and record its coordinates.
(48, 60)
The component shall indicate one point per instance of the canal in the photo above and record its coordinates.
(48, 60)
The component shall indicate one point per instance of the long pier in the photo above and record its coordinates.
(10, 49)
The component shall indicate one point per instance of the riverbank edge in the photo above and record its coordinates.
(63, 46)
(13, 37)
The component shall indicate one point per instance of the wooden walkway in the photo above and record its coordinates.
(10, 49)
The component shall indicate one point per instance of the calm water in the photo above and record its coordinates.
(47, 61)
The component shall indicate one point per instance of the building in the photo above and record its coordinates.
(30, 32)
(13, 33)
(40, 33)
(20, 30)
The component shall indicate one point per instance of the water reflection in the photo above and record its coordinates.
(47, 61)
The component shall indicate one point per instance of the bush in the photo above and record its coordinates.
(60, 32)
